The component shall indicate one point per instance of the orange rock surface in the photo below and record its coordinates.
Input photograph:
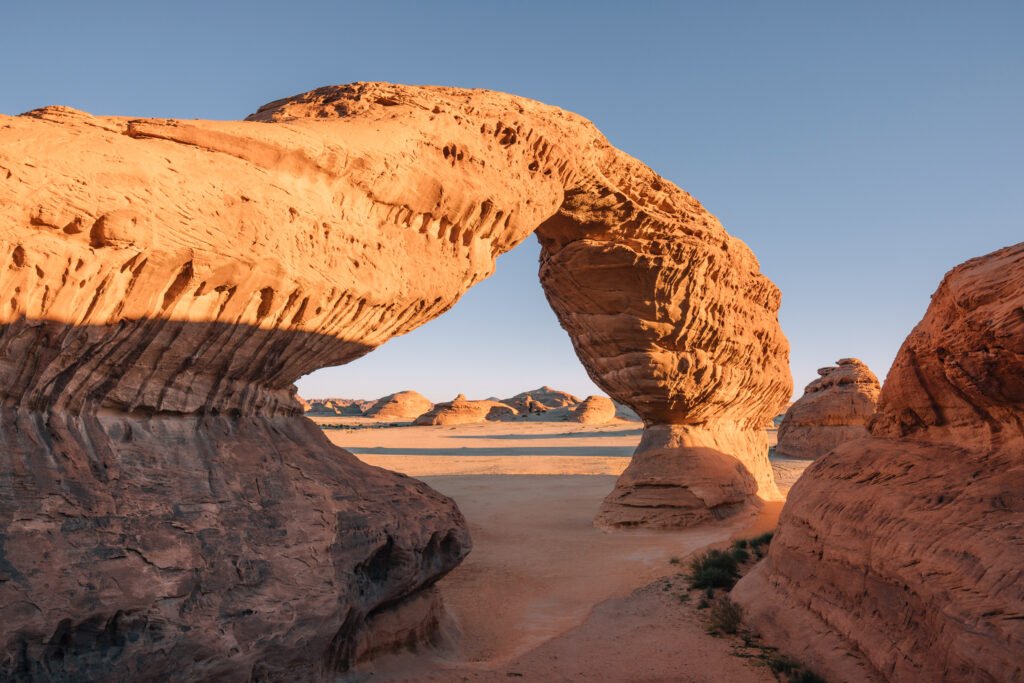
(463, 411)
(593, 410)
(167, 281)
(899, 556)
(405, 405)
(835, 408)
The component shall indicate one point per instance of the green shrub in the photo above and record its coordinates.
(703, 604)
(805, 676)
(726, 615)
(714, 569)
(740, 555)
(741, 543)
(782, 664)
(763, 539)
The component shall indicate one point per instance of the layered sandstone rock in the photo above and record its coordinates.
(835, 408)
(405, 405)
(168, 513)
(594, 410)
(899, 557)
(463, 411)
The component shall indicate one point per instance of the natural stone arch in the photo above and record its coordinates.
(170, 280)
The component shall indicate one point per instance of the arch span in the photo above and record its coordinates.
(170, 280)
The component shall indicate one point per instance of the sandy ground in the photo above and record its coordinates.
(544, 596)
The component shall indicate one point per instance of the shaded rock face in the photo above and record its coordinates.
(899, 556)
(593, 410)
(463, 411)
(405, 405)
(835, 408)
(166, 282)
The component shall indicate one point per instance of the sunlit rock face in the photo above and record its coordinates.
(899, 556)
(167, 512)
(835, 408)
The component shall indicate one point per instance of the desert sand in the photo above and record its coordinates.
(545, 595)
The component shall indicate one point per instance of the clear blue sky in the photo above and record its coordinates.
(861, 149)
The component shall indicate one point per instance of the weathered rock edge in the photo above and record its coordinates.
(899, 556)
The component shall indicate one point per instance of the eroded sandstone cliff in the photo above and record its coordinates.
(835, 408)
(899, 556)
(166, 512)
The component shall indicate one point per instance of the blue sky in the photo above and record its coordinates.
(860, 149)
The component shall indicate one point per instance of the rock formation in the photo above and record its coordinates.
(405, 405)
(540, 400)
(167, 513)
(899, 556)
(594, 410)
(463, 411)
(334, 407)
(835, 408)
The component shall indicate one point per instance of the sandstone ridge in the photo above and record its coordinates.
(898, 557)
(167, 283)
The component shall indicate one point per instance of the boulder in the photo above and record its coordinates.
(835, 408)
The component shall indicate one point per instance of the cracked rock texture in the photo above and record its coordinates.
(900, 556)
(166, 512)
(835, 408)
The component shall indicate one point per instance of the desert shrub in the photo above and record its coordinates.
(763, 539)
(673, 560)
(703, 604)
(805, 676)
(726, 615)
(713, 569)
(782, 664)
(740, 555)
(741, 543)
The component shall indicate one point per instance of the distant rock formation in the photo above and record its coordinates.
(166, 512)
(594, 410)
(899, 556)
(835, 408)
(335, 407)
(463, 411)
(405, 405)
(540, 400)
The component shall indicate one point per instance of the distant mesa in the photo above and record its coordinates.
(335, 407)
(405, 405)
(835, 408)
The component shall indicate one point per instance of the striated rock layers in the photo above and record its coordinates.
(899, 557)
(540, 400)
(405, 405)
(165, 510)
(463, 411)
(835, 408)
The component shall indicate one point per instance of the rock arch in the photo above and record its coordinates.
(169, 280)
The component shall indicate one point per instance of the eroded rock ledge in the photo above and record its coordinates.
(899, 556)
(167, 281)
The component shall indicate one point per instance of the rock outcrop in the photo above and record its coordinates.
(405, 405)
(594, 410)
(167, 512)
(463, 411)
(334, 407)
(899, 556)
(540, 400)
(835, 408)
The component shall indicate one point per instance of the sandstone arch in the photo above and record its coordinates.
(169, 280)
